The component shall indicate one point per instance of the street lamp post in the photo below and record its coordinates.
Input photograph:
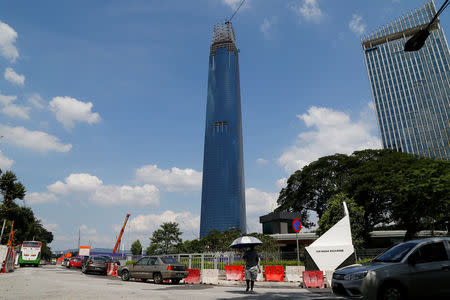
(417, 41)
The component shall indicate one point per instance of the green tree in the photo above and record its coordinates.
(136, 248)
(393, 187)
(310, 188)
(335, 212)
(26, 225)
(11, 189)
(166, 239)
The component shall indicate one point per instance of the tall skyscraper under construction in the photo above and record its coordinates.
(223, 190)
(411, 90)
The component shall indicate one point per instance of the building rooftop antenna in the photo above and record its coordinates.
(235, 12)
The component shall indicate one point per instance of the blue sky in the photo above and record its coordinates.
(102, 103)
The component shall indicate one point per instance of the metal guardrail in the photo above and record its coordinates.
(208, 260)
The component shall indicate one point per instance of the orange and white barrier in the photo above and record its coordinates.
(6, 259)
(112, 269)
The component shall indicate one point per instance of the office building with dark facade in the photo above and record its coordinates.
(223, 190)
(411, 90)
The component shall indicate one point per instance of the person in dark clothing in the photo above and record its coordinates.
(251, 267)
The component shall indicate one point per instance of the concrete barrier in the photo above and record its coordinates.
(328, 276)
(260, 276)
(234, 272)
(294, 273)
(210, 276)
(193, 276)
(3, 253)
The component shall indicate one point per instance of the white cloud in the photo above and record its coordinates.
(16, 111)
(356, 25)
(262, 161)
(33, 140)
(40, 198)
(282, 183)
(76, 183)
(36, 101)
(334, 133)
(235, 3)
(127, 195)
(13, 77)
(86, 230)
(189, 223)
(5, 163)
(92, 187)
(174, 179)
(265, 27)
(258, 203)
(308, 10)
(70, 110)
(6, 100)
(8, 37)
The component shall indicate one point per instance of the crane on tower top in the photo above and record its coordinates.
(120, 234)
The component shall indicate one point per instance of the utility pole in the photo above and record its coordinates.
(4, 223)
(78, 238)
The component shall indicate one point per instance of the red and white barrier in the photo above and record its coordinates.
(234, 272)
(193, 276)
(313, 279)
(112, 269)
(274, 273)
(6, 259)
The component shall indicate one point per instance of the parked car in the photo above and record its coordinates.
(74, 262)
(418, 269)
(96, 263)
(156, 268)
(65, 261)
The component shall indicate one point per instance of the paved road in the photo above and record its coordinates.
(54, 282)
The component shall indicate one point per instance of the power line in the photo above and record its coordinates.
(237, 9)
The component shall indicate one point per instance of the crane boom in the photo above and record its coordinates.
(120, 234)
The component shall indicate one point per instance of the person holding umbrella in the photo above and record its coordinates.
(251, 258)
(252, 268)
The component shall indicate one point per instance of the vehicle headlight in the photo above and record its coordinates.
(355, 276)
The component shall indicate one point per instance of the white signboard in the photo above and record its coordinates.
(333, 247)
(84, 251)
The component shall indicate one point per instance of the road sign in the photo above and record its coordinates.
(296, 225)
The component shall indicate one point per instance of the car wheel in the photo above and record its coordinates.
(125, 275)
(392, 292)
(158, 278)
(175, 281)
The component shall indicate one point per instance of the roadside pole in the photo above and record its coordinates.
(3, 228)
(298, 252)
(297, 226)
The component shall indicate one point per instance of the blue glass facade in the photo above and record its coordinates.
(223, 190)
(411, 90)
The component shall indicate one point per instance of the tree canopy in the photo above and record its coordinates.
(136, 248)
(165, 240)
(391, 187)
(335, 212)
(26, 225)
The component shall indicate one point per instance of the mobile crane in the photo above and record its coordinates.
(116, 247)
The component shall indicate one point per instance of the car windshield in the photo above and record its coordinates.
(396, 254)
(99, 258)
(169, 260)
(31, 244)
